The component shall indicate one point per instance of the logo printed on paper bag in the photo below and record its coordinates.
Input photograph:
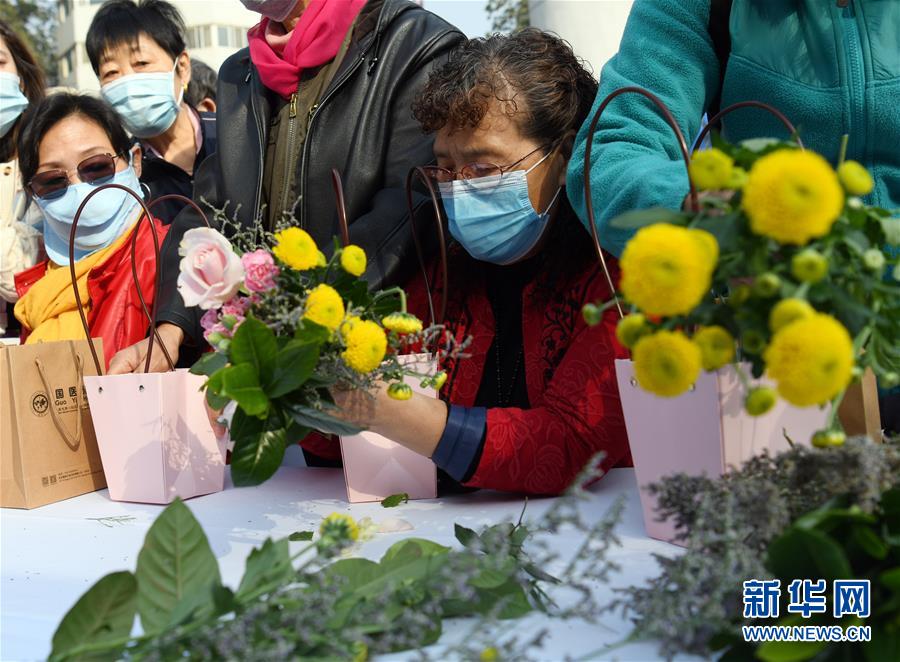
(40, 403)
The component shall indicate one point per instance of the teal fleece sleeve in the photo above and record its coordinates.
(635, 159)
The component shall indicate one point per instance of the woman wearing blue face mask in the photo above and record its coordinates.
(69, 145)
(21, 84)
(137, 50)
(537, 397)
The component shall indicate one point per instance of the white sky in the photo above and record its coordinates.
(468, 15)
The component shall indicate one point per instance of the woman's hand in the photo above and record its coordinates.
(132, 359)
(417, 423)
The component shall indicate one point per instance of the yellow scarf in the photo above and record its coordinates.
(49, 308)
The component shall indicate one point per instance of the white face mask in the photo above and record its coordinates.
(277, 10)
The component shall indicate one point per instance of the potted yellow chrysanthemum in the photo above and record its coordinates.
(751, 315)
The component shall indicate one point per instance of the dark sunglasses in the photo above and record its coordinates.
(52, 184)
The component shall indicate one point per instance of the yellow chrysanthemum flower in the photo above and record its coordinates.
(439, 380)
(760, 400)
(810, 360)
(400, 391)
(667, 270)
(792, 196)
(353, 260)
(716, 346)
(402, 323)
(489, 654)
(348, 324)
(738, 179)
(666, 363)
(809, 266)
(631, 328)
(339, 527)
(855, 179)
(788, 311)
(324, 306)
(296, 249)
(366, 346)
(711, 169)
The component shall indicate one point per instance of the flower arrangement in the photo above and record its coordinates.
(781, 267)
(286, 325)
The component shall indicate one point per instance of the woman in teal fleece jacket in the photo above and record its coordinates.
(832, 69)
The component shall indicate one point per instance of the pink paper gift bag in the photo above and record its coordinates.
(155, 439)
(376, 467)
(704, 431)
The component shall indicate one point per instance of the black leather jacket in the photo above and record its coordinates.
(363, 126)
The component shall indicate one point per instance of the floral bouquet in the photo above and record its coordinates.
(286, 324)
(782, 266)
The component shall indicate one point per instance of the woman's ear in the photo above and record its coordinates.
(184, 69)
(565, 152)
(137, 159)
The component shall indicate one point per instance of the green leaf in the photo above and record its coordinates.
(801, 553)
(395, 500)
(885, 644)
(175, 561)
(633, 220)
(216, 400)
(494, 577)
(870, 542)
(317, 419)
(258, 449)
(104, 613)
(789, 651)
(209, 363)
(241, 384)
(830, 515)
(312, 332)
(301, 536)
(269, 565)
(467, 537)
(294, 365)
(254, 344)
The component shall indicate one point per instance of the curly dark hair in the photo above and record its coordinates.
(531, 70)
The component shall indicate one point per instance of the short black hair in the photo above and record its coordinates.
(202, 84)
(121, 21)
(41, 117)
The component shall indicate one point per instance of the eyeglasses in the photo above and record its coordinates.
(474, 170)
(52, 184)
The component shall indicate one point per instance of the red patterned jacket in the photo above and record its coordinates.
(570, 375)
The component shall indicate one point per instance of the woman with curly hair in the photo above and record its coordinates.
(537, 397)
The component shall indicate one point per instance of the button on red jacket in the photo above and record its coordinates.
(116, 314)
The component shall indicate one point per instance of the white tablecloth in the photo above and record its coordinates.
(51, 555)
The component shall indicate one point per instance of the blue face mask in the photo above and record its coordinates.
(12, 101)
(493, 218)
(104, 219)
(145, 103)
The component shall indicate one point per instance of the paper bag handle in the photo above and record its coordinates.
(718, 117)
(78, 302)
(72, 443)
(419, 172)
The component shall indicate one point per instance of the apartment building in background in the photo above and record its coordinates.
(215, 30)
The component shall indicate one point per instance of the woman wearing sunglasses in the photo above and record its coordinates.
(537, 397)
(69, 145)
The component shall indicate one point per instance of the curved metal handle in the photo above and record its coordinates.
(419, 172)
(717, 119)
(150, 314)
(344, 226)
(588, 200)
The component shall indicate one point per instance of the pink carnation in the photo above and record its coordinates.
(260, 271)
(210, 319)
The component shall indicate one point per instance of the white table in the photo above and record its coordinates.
(51, 555)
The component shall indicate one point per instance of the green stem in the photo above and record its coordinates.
(394, 290)
(842, 156)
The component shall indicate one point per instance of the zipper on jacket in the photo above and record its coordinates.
(313, 113)
(856, 77)
(285, 204)
(259, 142)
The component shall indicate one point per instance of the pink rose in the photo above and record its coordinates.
(260, 271)
(211, 272)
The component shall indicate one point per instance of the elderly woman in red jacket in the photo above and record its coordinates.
(69, 145)
(537, 397)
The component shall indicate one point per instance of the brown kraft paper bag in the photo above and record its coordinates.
(49, 450)
(859, 409)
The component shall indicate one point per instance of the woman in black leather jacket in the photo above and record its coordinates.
(352, 113)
